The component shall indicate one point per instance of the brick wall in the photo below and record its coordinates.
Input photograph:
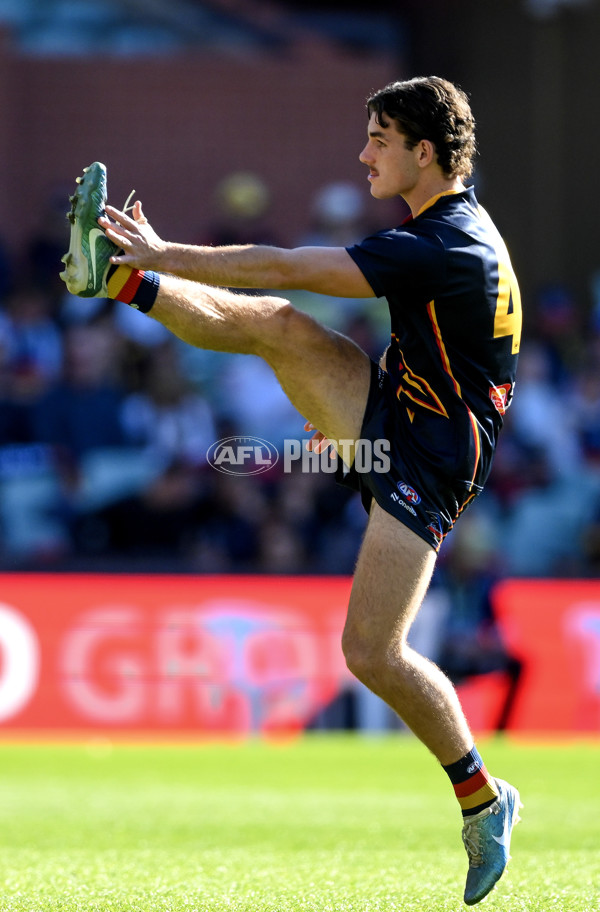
(172, 128)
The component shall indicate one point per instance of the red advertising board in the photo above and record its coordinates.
(238, 655)
(168, 653)
(554, 626)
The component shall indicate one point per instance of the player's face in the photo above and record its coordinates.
(393, 169)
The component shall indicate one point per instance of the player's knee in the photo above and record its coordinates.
(363, 657)
(377, 661)
(284, 329)
(277, 325)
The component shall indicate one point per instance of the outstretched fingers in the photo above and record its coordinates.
(118, 226)
(128, 221)
(138, 241)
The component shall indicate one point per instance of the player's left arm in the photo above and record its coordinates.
(325, 270)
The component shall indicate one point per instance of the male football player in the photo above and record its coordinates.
(438, 396)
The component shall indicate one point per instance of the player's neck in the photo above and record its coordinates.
(418, 198)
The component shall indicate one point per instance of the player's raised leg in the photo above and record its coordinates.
(325, 375)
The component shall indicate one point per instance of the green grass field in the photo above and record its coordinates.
(320, 824)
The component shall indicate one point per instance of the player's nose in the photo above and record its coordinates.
(366, 156)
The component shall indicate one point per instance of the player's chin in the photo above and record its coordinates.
(381, 193)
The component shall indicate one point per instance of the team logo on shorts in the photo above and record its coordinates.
(409, 492)
(435, 527)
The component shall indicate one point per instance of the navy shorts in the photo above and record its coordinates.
(422, 488)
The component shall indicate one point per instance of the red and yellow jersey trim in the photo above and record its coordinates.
(417, 388)
(448, 369)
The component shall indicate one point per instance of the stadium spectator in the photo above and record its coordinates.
(538, 419)
(235, 510)
(167, 415)
(170, 427)
(583, 406)
(470, 641)
(44, 248)
(32, 340)
(81, 410)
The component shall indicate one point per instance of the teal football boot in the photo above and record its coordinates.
(486, 837)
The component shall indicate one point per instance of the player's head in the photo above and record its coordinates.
(431, 108)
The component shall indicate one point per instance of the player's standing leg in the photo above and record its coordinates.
(392, 575)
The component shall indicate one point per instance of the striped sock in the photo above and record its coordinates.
(135, 287)
(474, 788)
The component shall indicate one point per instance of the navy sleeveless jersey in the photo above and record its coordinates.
(456, 320)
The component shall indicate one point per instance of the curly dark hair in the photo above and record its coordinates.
(429, 107)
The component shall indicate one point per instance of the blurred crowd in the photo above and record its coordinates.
(106, 420)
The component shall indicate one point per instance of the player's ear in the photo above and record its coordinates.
(425, 152)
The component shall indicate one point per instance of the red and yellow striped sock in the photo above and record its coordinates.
(474, 788)
(136, 287)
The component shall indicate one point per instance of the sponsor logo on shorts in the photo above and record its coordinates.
(397, 499)
(409, 492)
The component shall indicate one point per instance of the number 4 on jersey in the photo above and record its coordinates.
(508, 319)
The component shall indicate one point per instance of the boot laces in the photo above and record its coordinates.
(471, 837)
(127, 207)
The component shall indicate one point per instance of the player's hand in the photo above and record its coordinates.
(140, 244)
(318, 443)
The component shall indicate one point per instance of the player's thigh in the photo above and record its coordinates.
(324, 374)
(393, 571)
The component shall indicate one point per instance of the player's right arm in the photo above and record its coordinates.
(325, 270)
